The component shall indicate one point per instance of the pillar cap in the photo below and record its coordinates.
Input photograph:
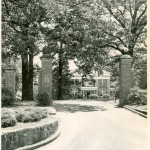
(46, 56)
(126, 57)
(10, 67)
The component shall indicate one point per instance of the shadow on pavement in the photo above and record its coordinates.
(72, 108)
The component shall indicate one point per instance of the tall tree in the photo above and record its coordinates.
(23, 19)
(66, 80)
(125, 25)
(66, 36)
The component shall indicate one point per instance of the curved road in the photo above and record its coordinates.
(93, 125)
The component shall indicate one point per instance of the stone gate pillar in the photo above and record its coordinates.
(10, 73)
(39, 81)
(125, 78)
(46, 75)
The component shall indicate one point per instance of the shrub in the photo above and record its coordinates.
(25, 117)
(8, 119)
(39, 113)
(43, 99)
(137, 96)
(44, 113)
(7, 97)
(93, 96)
(31, 115)
(46, 100)
(76, 96)
(66, 97)
(79, 96)
(19, 116)
(106, 96)
(39, 98)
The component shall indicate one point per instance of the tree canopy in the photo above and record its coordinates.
(21, 21)
(83, 31)
(125, 25)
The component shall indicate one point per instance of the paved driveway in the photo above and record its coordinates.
(94, 125)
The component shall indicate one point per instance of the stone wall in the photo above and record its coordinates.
(28, 136)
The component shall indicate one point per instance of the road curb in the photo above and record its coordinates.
(42, 143)
(135, 111)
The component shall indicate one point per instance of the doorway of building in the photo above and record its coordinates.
(88, 93)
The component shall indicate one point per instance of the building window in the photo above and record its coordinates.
(100, 82)
(102, 91)
(105, 82)
(94, 83)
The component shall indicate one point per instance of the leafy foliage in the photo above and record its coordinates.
(106, 97)
(63, 41)
(43, 99)
(78, 95)
(83, 31)
(31, 115)
(137, 96)
(126, 27)
(93, 96)
(7, 97)
(11, 117)
(140, 70)
(66, 80)
(8, 119)
(21, 23)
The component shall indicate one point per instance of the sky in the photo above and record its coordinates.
(37, 60)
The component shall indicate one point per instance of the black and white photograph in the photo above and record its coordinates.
(74, 75)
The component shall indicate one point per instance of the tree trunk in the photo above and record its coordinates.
(60, 67)
(131, 52)
(30, 78)
(25, 77)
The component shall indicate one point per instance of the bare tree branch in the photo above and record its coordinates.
(116, 37)
(108, 7)
(6, 7)
(141, 15)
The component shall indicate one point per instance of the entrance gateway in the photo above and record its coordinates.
(101, 84)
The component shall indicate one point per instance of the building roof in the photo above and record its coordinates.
(94, 74)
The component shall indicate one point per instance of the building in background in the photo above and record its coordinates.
(93, 84)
